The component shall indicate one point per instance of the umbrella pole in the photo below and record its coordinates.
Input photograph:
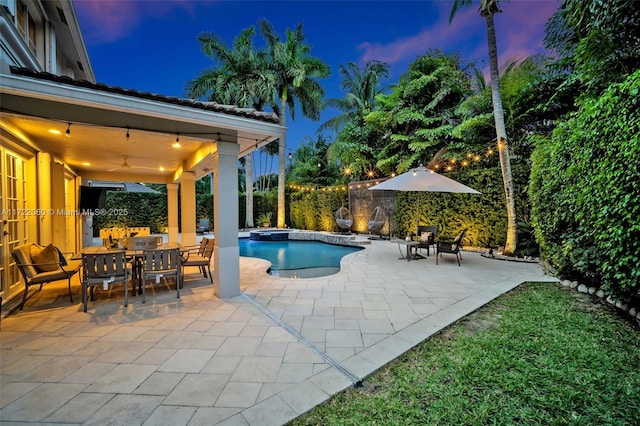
(418, 214)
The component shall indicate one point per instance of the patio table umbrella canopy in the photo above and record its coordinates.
(421, 179)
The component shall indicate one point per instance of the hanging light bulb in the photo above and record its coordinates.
(68, 132)
(127, 135)
(176, 144)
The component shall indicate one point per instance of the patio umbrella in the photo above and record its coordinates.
(422, 179)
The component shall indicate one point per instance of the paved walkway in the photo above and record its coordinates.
(263, 358)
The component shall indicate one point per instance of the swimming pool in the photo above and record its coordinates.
(301, 259)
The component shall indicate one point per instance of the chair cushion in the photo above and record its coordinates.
(23, 257)
(47, 256)
(196, 260)
(34, 250)
(426, 236)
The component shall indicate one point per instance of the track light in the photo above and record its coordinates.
(68, 132)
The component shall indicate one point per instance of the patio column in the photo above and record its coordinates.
(44, 193)
(226, 255)
(172, 211)
(188, 208)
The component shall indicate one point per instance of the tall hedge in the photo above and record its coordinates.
(315, 210)
(135, 209)
(585, 192)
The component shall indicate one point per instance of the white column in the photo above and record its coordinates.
(226, 255)
(188, 208)
(45, 190)
(172, 211)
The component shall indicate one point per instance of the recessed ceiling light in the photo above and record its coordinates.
(55, 132)
(86, 163)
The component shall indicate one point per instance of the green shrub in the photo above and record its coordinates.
(315, 210)
(585, 195)
(142, 209)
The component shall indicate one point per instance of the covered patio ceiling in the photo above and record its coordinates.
(41, 108)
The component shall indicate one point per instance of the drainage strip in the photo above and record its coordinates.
(357, 382)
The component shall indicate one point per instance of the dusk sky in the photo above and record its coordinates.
(152, 46)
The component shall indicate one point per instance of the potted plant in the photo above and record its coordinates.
(265, 219)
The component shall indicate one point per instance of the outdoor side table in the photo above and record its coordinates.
(410, 245)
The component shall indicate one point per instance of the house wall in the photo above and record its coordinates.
(50, 189)
(362, 202)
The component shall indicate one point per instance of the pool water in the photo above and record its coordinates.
(301, 259)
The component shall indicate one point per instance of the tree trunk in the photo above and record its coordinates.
(501, 134)
(282, 148)
(248, 178)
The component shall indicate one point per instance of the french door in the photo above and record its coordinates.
(13, 218)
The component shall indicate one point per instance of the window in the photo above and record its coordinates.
(32, 35)
(26, 26)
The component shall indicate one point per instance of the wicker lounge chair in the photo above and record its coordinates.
(377, 219)
(344, 219)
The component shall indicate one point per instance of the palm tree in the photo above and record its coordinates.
(239, 80)
(361, 86)
(295, 74)
(487, 9)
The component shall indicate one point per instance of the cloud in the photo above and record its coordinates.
(106, 21)
(520, 28)
(520, 32)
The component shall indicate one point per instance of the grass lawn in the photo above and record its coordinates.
(541, 354)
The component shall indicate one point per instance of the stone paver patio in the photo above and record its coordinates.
(282, 347)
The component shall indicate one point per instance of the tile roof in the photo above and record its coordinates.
(192, 103)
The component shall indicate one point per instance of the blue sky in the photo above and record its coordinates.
(152, 45)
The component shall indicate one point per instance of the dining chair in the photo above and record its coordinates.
(451, 246)
(427, 237)
(161, 263)
(104, 269)
(202, 259)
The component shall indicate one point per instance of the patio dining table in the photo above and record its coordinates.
(135, 255)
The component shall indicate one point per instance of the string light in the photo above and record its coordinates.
(315, 188)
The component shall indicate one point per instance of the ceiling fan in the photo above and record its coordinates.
(125, 165)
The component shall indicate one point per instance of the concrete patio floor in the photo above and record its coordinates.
(263, 358)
